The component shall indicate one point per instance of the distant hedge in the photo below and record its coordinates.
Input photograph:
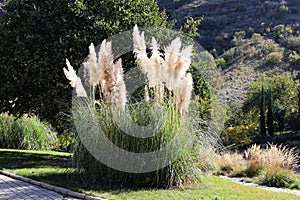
(26, 132)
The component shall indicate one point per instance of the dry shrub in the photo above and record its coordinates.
(275, 159)
(279, 157)
(254, 154)
(278, 162)
(275, 57)
(231, 163)
(254, 158)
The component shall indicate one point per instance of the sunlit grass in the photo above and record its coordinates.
(210, 188)
(53, 153)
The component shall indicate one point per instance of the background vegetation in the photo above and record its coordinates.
(254, 43)
(27, 132)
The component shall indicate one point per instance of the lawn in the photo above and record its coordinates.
(53, 167)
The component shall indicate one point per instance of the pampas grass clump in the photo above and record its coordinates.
(168, 84)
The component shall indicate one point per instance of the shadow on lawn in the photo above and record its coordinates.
(38, 167)
(19, 160)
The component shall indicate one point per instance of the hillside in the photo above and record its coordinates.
(247, 38)
(221, 18)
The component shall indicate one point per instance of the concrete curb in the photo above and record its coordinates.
(47, 186)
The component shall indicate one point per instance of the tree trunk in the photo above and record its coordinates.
(270, 115)
(262, 114)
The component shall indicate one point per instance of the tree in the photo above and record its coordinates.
(270, 115)
(284, 100)
(37, 36)
(262, 113)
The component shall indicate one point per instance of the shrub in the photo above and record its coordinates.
(277, 179)
(66, 141)
(229, 55)
(294, 57)
(283, 9)
(241, 8)
(238, 135)
(274, 162)
(231, 163)
(6, 127)
(293, 42)
(181, 171)
(274, 58)
(27, 132)
(269, 47)
(257, 38)
(275, 157)
(254, 157)
(253, 169)
(295, 185)
(220, 62)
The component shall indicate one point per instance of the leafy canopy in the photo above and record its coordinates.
(37, 36)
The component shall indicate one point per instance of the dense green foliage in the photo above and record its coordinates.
(37, 36)
(284, 92)
(281, 179)
(25, 133)
(279, 113)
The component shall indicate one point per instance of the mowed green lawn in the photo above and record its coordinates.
(53, 167)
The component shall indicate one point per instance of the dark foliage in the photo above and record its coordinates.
(37, 36)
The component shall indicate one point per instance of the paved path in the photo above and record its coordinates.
(12, 189)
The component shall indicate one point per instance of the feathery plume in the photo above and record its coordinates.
(159, 91)
(74, 80)
(70, 74)
(142, 59)
(102, 63)
(157, 68)
(183, 93)
(136, 39)
(189, 88)
(106, 62)
(177, 62)
(91, 69)
(147, 97)
(111, 76)
(170, 70)
(172, 53)
(80, 91)
(184, 61)
(139, 44)
(118, 91)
